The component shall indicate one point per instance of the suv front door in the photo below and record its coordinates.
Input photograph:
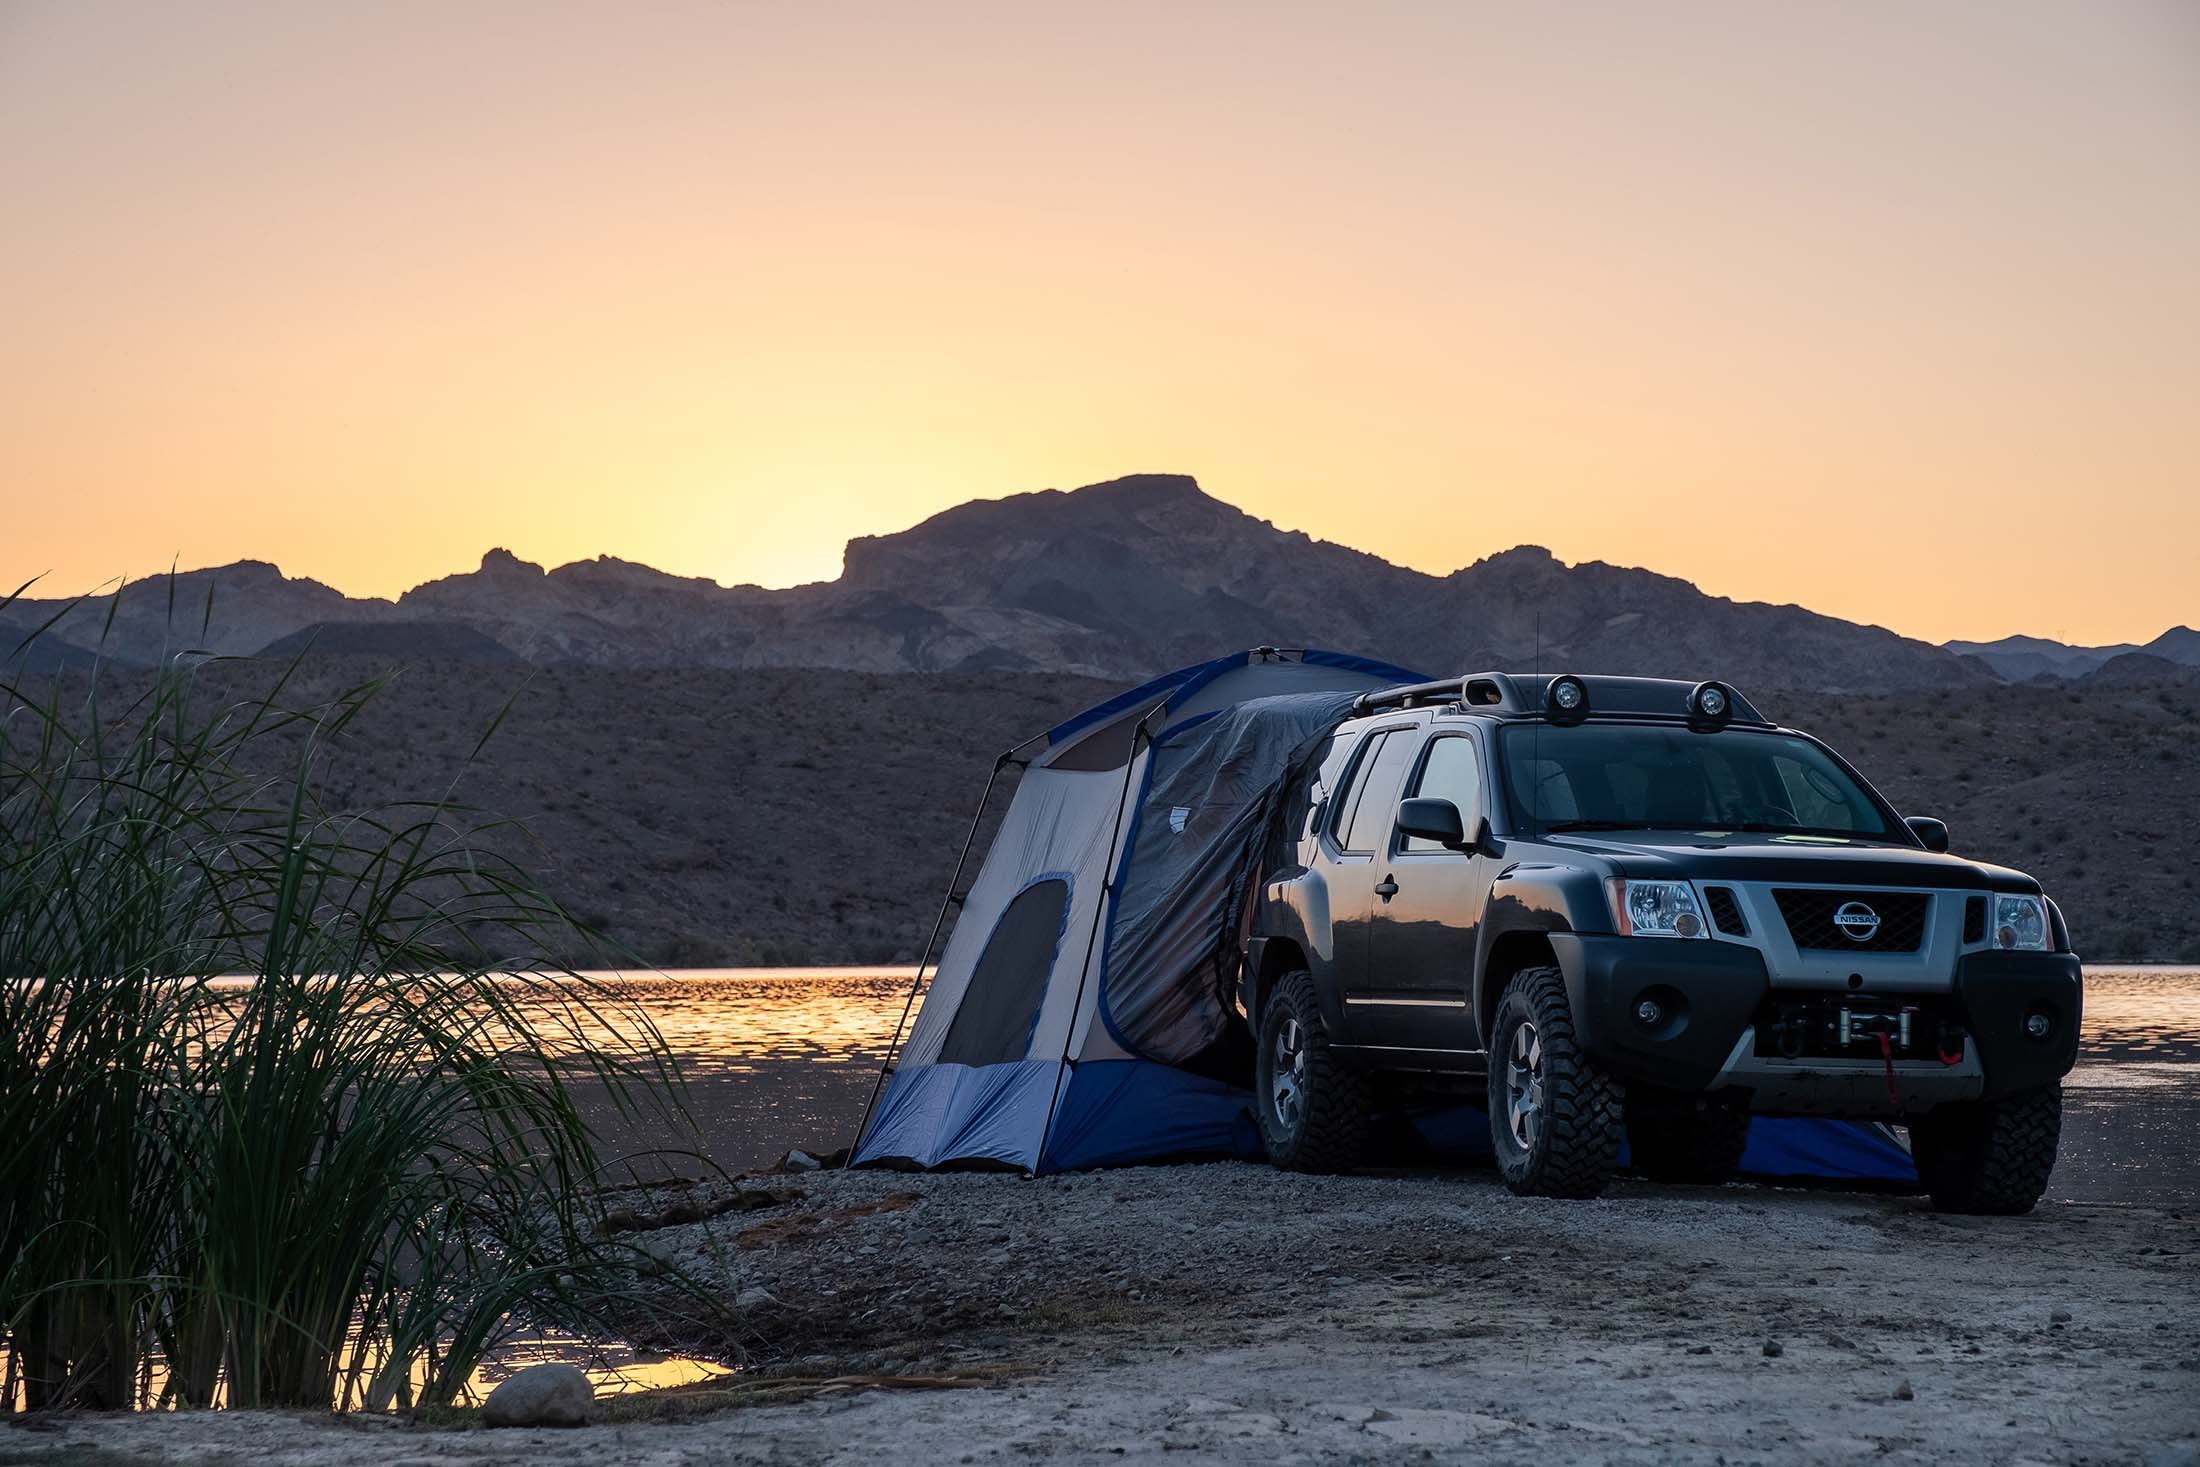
(1428, 904)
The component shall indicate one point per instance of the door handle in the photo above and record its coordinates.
(1387, 889)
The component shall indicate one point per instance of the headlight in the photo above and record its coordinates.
(1656, 909)
(2020, 923)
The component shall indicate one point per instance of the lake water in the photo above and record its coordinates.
(779, 1058)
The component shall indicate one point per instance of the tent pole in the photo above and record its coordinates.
(1140, 738)
(947, 904)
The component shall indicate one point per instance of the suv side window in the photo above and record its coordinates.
(1452, 771)
(1375, 790)
(1324, 788)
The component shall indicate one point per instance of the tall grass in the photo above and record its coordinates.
(340, 1179)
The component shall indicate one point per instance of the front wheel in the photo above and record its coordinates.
(1555, 1119)
(1989, 1157)
(1313, 1107)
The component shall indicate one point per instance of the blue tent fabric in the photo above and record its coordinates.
(1804, 1146)
(1119, 1111)
(1181, 684)
(933, 1114)
(1111, 1112)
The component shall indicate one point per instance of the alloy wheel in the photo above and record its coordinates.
(1524, 1086)
(1287, 1085)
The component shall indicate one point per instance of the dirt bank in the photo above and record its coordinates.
(1269, 1318)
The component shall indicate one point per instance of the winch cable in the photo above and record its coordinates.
(1886, 1057)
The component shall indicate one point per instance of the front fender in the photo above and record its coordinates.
(1532, 902)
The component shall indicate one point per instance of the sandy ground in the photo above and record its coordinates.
(1258, 1317)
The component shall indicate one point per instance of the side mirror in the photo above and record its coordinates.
(1436, 820)
(1485, 842)
(1931, 833)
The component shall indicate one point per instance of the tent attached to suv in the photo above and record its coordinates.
(1083, 1011)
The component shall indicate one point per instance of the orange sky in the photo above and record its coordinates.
(1889, 310)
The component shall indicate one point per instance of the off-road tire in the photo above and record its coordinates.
(1330, 1132)
(1989, 1157)
(1576, 1146)
(1672, 1138)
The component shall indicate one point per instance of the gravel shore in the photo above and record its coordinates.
(1261, 1317)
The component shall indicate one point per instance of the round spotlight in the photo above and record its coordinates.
(1569, 698)
(1711, 703)
(2038, 1025)
(1649, 1014)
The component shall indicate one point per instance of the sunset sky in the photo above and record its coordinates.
(1891, 310)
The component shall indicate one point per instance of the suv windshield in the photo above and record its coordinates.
(1626, 777)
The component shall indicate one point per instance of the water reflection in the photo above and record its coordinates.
(741, 1021)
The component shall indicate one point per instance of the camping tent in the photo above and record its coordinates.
(1083, 983)
(1081, 1014)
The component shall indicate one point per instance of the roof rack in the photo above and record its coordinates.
(1482, 690)
(1522, 695)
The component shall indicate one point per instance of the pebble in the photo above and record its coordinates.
(1905, 1392)
(1774, 1349)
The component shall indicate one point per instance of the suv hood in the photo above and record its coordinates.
(1819, 860)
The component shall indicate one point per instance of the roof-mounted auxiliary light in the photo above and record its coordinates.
(1710, 703)
(1567, 699)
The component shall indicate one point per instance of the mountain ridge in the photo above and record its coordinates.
(1113, 580)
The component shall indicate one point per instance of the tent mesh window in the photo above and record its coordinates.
(1000, 1006)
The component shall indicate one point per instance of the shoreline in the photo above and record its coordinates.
(1259, 1316)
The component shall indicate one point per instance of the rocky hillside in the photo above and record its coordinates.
(705, 817)
(1116, 580)
(2021, 658)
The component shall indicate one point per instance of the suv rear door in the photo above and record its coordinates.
(1428, 904)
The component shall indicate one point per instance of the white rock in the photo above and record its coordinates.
(541, 1395)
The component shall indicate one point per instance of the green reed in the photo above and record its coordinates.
(339, 1181)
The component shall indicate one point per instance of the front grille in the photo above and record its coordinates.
(1726, 913)
(1974, 919)
(1810, 919)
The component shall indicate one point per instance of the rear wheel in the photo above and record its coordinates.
(1675, 1138)
(1989, 1157)
(1555, 1118)
(1313, 1107)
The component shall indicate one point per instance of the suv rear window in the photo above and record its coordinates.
(1374, 791)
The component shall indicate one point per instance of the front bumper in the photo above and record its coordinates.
(1711, 994)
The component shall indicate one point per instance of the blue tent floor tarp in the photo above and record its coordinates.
(1797, 1148)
